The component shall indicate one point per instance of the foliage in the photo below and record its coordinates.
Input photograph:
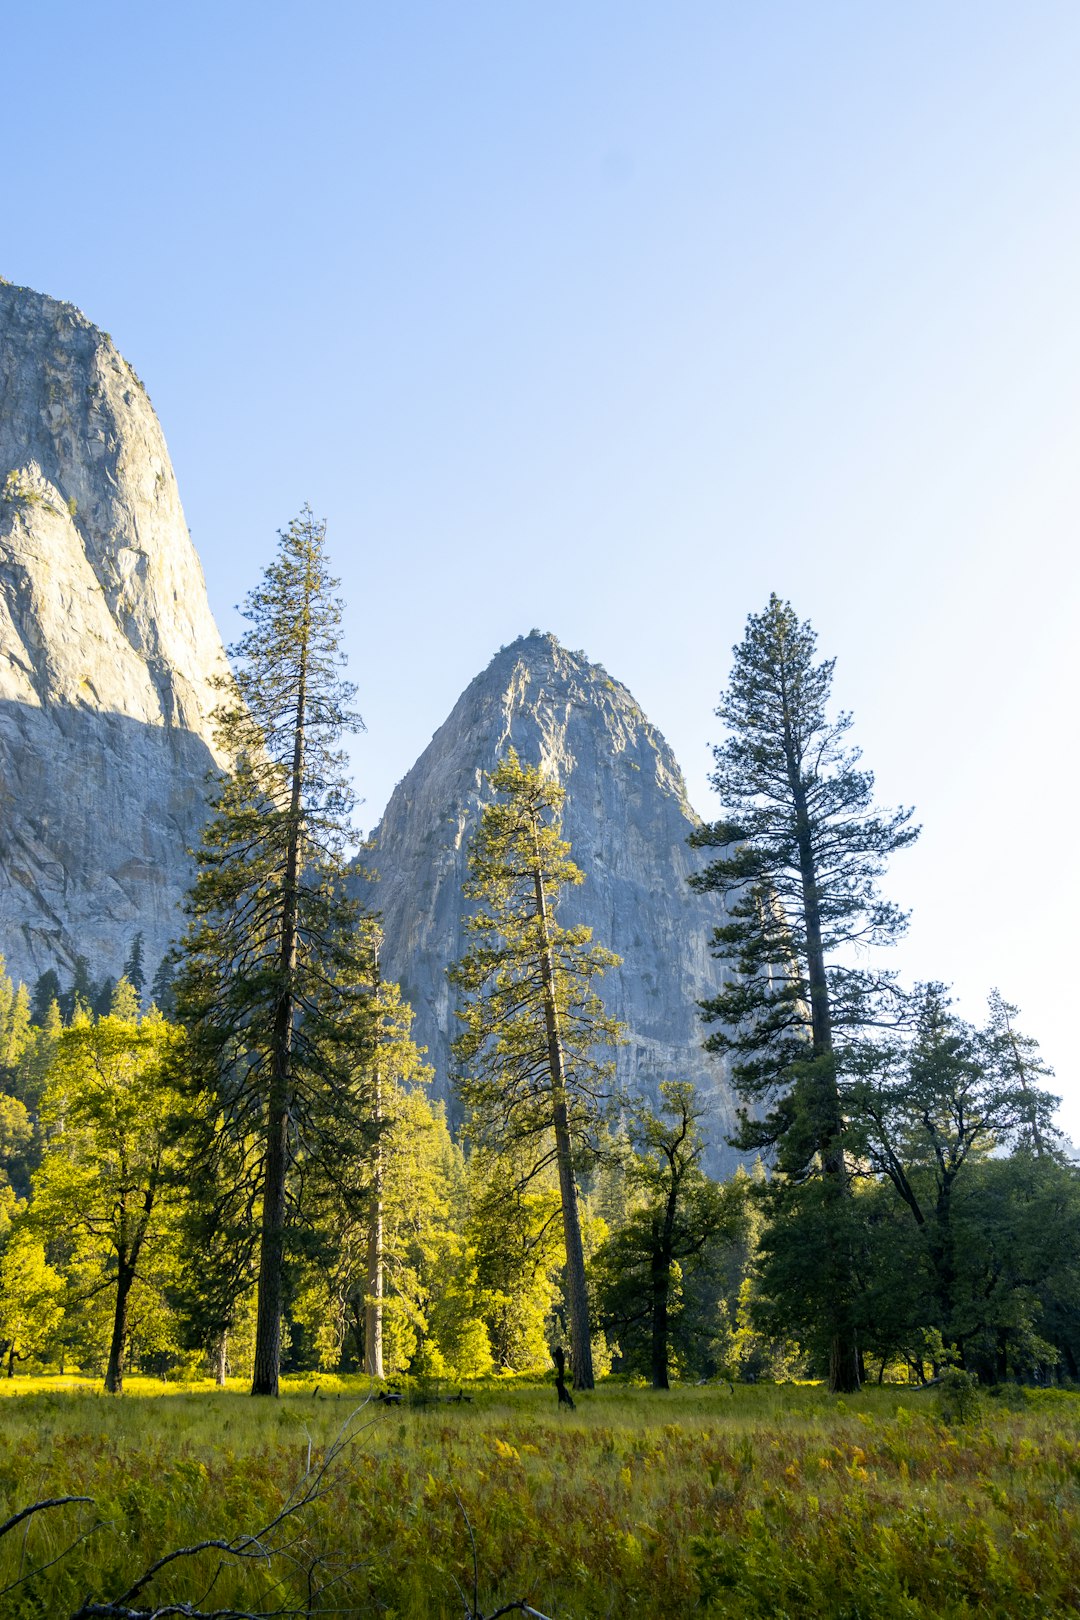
(801, 850)
(110, 1116)
(532, 1077)
(672, 1242)
(270, 987)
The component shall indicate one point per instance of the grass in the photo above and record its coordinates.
(769, 1502)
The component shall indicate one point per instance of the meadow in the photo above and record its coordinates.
(762, 1501)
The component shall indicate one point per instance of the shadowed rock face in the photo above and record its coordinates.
(627, 818)
(107, 652)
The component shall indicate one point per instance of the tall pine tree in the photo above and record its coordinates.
(533, 1076)
(271, 983)
(800, 852)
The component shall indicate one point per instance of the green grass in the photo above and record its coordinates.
(771, 1502)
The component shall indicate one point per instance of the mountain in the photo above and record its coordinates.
(107, 653)
(627, 818)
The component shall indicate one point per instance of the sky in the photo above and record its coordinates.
(610, 319)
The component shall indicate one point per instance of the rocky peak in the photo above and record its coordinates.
(627, 818)
(108, 651)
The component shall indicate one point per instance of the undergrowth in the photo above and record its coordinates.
(764, 1502)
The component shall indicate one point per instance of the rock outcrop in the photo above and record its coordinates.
(627, 818)
(107, 652)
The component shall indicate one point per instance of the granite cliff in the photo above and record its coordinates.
(107, 651)
(627, 818)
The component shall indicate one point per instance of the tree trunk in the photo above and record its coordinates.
(267, 1368)
(844, 1376)
(373, 1299)
(114, 1373)
(578, 1297)
(373, 1295)
(221, 1358)
(272, 1245)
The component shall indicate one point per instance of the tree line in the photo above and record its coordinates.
(238, 1165)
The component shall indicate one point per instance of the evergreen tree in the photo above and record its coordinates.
(532, 1080)
(271, 978)
(134, 969)
(801, 851)
(46, 994)
(81, 993)
(161, 990)
(351, 1190)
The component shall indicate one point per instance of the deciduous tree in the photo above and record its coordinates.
(111, 1118)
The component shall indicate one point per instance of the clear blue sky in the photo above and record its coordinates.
(609, 319)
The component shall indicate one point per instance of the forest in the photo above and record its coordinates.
(234, 1166)
(839, 1382)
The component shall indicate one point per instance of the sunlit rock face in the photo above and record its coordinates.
(627, 818)
(107, 653)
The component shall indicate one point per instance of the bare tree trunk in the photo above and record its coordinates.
(114, 1372)
(844, 1360)
(221, 1358)
(267, 1368)
(373, 1293)
(578, 1297)
(373, 1297)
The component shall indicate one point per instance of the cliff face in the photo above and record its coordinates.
(627, 818)
(107, 650)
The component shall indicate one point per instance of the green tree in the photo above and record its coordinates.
(351, 1189)
(533, 1079)
(929, 1113)
(111, 1116)
(801, 851)
(46, 995)
(679, 1214)
(514, 1228)
(134, 969)
(31, 1298)
(270, 986)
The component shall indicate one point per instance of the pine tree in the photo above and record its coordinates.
(271, 981)
(46, 995)
(532, 1080)
(801, 852)
(134, 969)
(351, 1190)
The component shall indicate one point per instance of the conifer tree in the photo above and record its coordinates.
(801, 849)
(533, 1079)
(271, 980)
(350, 1192)
(134, 969)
